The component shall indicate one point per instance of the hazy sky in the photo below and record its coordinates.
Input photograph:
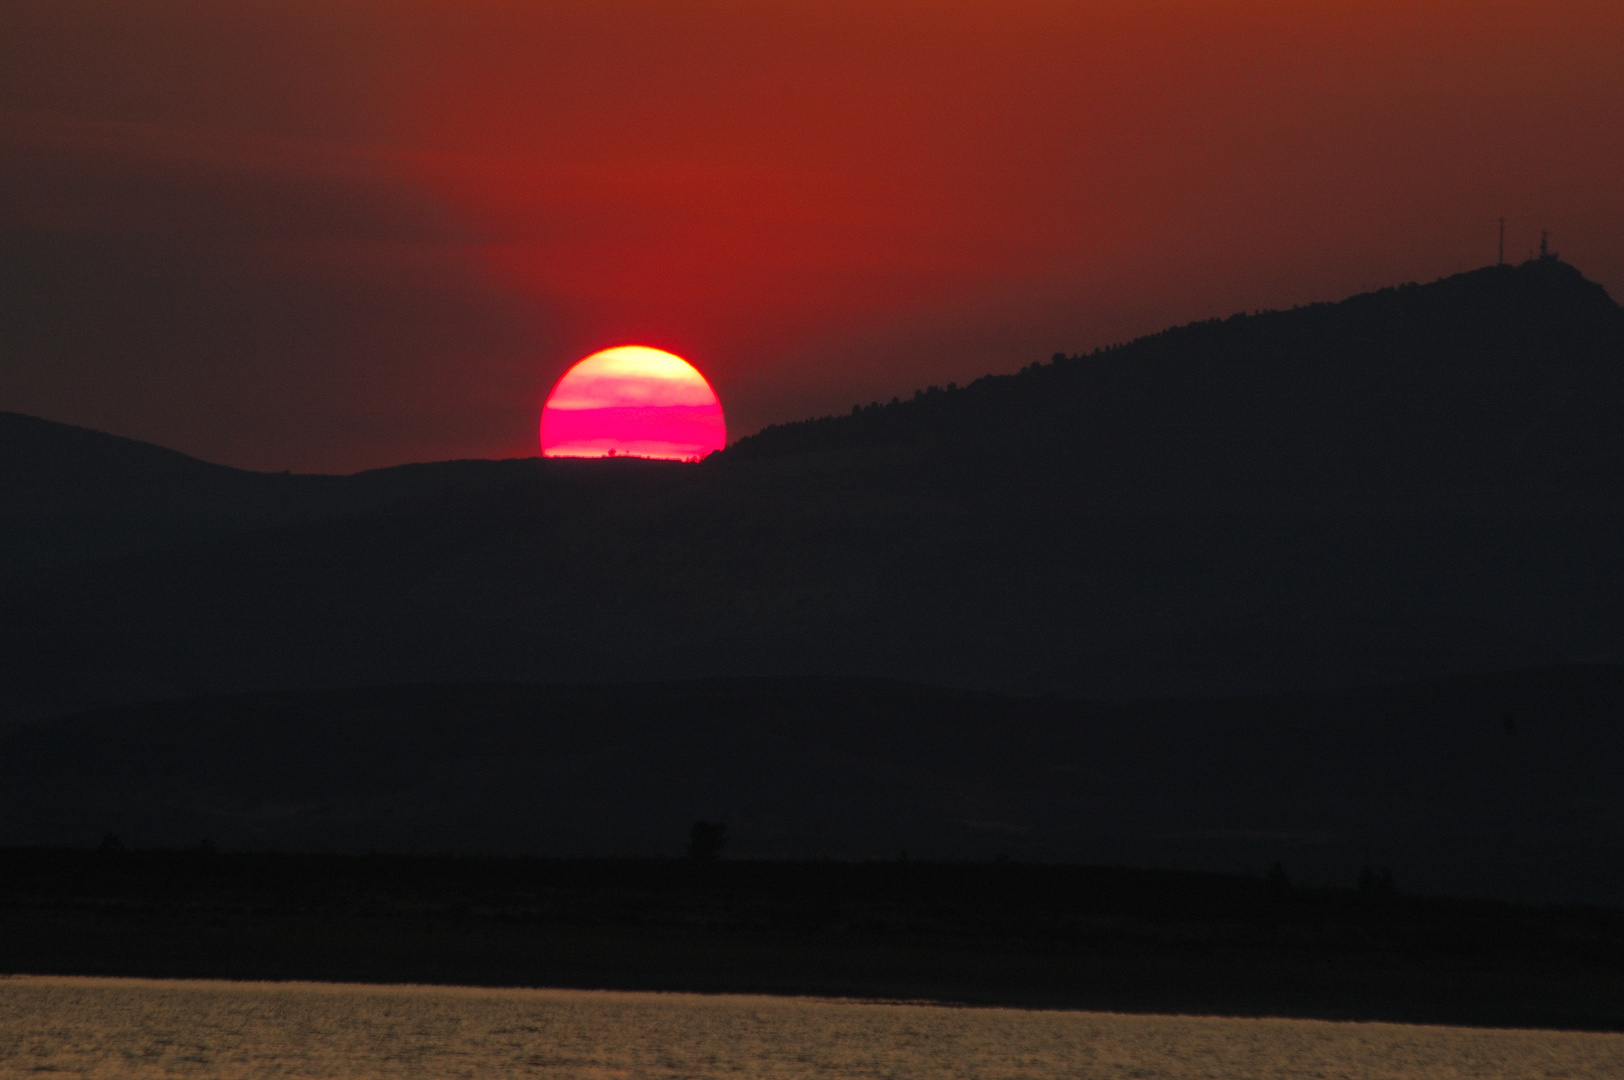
(338, 234)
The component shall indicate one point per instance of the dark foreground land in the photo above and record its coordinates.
(1504, 786)
(982, 933)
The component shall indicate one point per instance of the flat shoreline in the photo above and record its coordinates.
(208, 1028)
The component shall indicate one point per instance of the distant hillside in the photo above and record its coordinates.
(1502, 376)
(1415, 482)
(69, 494)
(1503, 786)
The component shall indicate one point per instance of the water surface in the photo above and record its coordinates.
(153, 1028)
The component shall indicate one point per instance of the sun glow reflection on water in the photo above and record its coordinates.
(152, 1028)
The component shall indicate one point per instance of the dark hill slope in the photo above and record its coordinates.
(1503, 786)
(69, 494)
(1503, 376)
(439, 578)
(1420, 481)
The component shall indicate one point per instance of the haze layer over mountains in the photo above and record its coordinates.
(1414, 482)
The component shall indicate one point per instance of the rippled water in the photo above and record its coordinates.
(142, 1028)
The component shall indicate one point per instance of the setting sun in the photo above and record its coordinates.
(632, 401)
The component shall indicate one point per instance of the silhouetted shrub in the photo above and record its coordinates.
(1376, 882)
(706, 840)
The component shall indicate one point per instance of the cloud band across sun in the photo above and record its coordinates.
(633, 401)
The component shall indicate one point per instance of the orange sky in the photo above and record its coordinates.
(334, 235)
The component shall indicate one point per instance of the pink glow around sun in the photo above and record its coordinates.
(632, 401)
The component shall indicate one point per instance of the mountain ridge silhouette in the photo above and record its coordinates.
(1488, 326)
(70, 494)
(1411, 483)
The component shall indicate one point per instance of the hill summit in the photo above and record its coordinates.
(1508, 373)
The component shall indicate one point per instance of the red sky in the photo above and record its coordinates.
(352, 233)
